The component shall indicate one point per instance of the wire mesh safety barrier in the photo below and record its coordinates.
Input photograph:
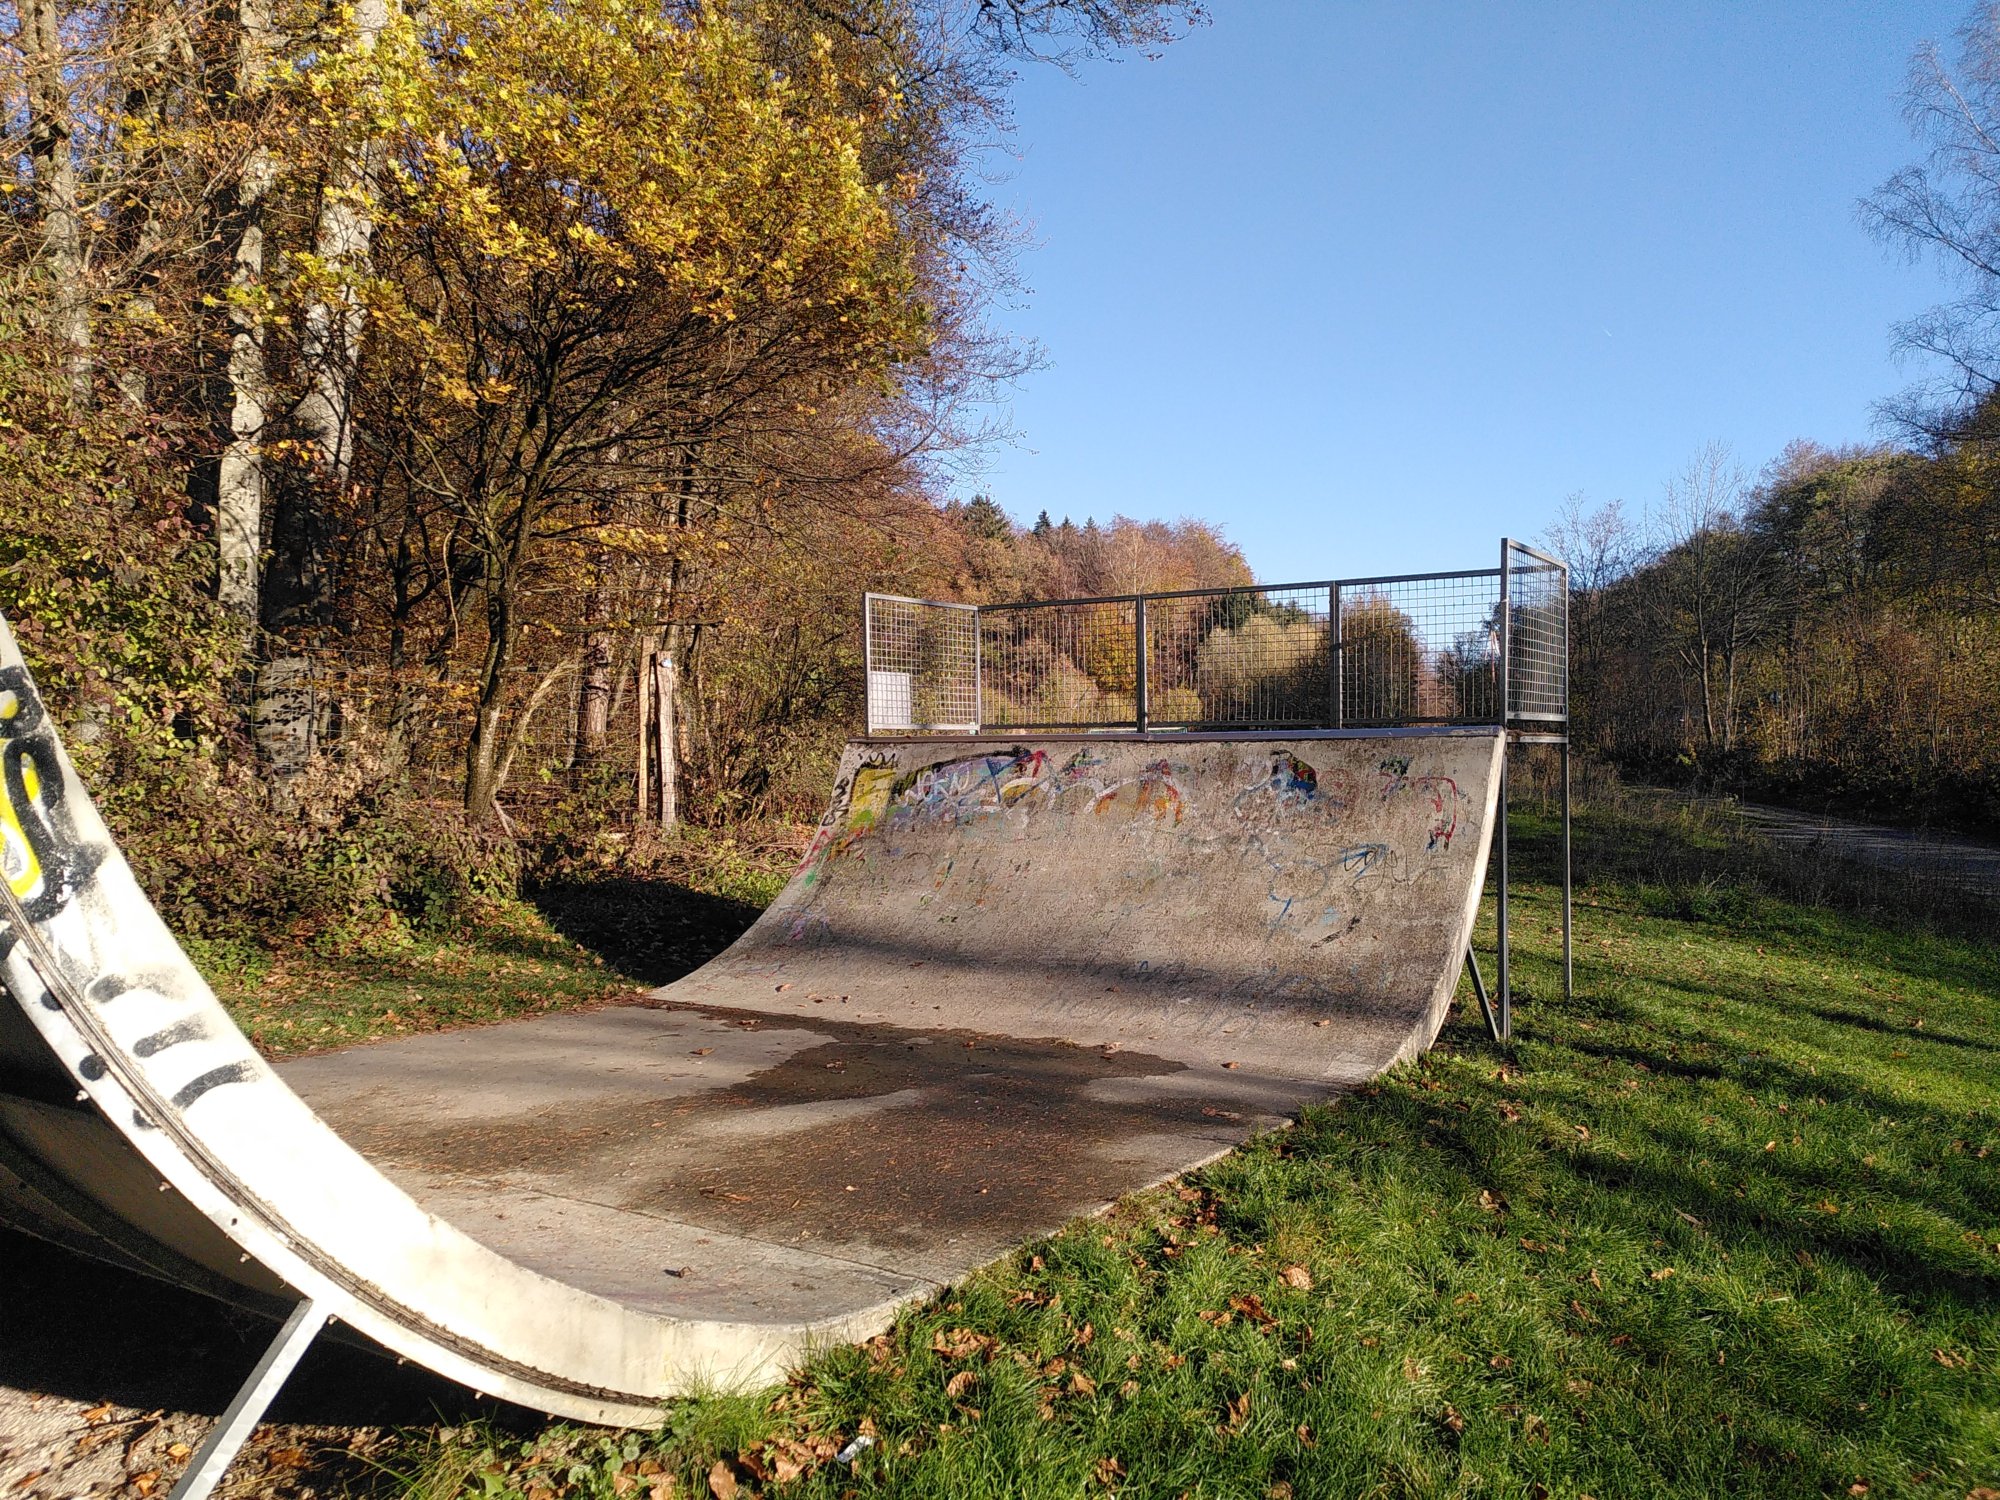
(1483, 646)
(1537, 635)
(923, 665)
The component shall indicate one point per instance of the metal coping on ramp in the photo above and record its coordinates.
(1012, 980)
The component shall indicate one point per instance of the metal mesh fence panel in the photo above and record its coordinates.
(923, 666)
(1064, 665)
(1240, 657)
(1537, 635)
(1420, 650)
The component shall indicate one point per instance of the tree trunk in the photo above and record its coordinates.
(482, 751)
(50, 152)
(666, 682)
(332, 337)
(240, 478)
(593, 718)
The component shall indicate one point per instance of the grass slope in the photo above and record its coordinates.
(1728, 1223)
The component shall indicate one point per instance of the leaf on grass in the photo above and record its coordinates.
(1239, 1411)
(1453, 1420)
(1252, 1307)
(962, 1343)
(1501, 1362)
(1081, 1384)
(1109, 1471)
(960, 1383)
(1304, 1433)
(1665, 1273)
(1491, 1201)
(1950, 1359)
(1298, 1278)
(1580, 1312)
(722, 1481)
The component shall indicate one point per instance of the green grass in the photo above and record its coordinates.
(512, 963)
(1727, 1223)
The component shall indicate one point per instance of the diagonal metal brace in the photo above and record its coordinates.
(229, 1434)
(1479, 989)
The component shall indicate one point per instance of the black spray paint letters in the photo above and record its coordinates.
(48, 862)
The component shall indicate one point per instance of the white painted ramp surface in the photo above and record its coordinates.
(1006, 983)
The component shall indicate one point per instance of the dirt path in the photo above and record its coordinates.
(1946, 858)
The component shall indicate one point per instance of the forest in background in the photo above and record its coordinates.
(383, 385)
(1829, 633)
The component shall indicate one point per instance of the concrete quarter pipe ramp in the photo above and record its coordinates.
(1008, 983)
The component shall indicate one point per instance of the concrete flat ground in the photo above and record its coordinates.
(704, 1163)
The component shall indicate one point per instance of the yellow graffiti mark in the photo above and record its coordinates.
(17, 857)
(873, 786)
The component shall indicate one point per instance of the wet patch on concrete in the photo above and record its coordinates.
(853, 1137)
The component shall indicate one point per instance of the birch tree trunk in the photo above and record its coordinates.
(240, 478)
(50, 152)
(332, 336)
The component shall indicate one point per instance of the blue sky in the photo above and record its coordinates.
(1370, 285)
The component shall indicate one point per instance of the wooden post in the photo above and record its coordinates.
(666, 685)
(643, 707)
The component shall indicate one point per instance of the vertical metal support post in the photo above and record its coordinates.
(252, 1401)
(1506, 992)
(1506, 688)
(1141, 716)
(978, 672)
(1569, 972)
(868, 663)
(1339, 667)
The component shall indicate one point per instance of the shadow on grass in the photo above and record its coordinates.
(650, 930)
